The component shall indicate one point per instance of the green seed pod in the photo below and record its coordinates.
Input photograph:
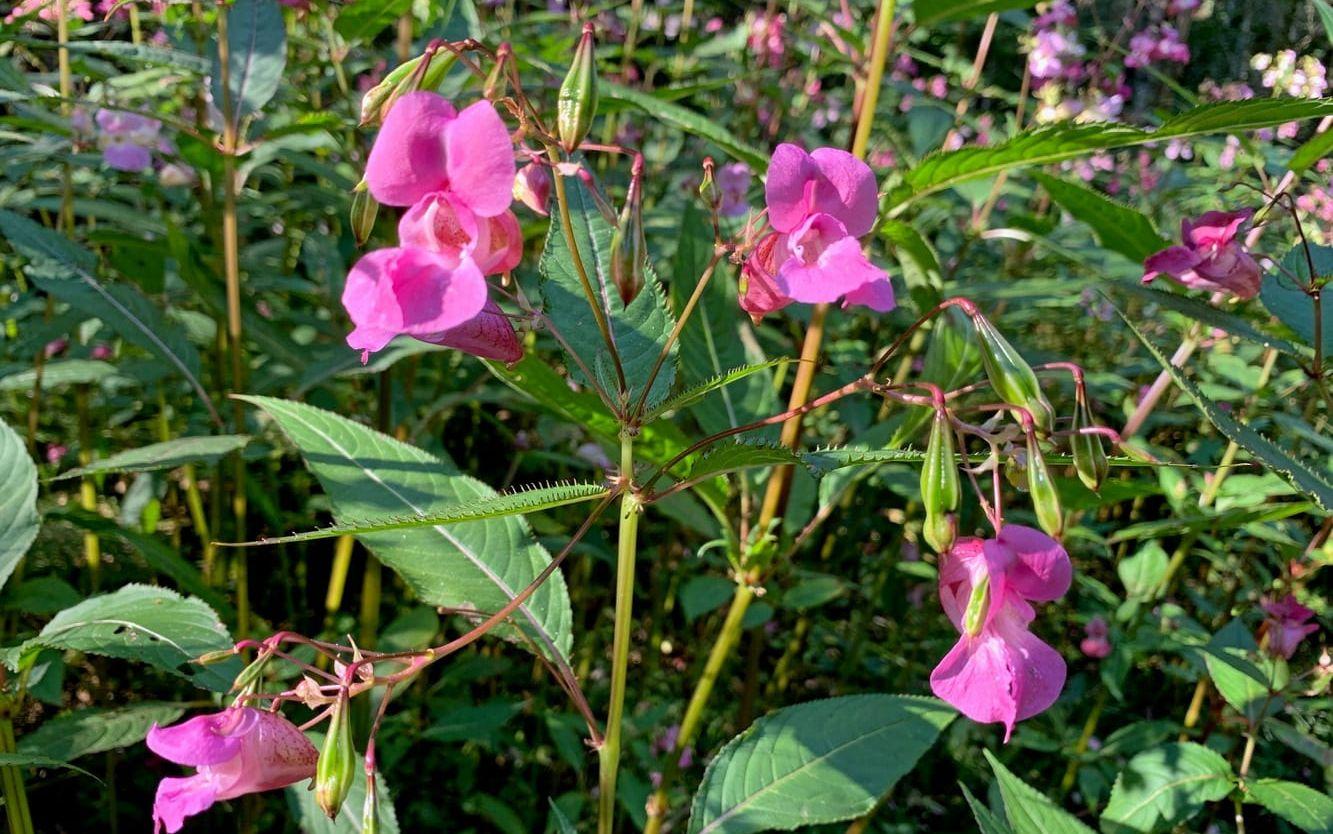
(1010, 375)
(1089, 456)
(249, 678)
(1041, 489)
(978, 606)
(708, 191)
(338, 763)
(940, 491)
(370, 816)
(577, 102)
(364, 211)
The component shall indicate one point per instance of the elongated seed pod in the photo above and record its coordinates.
(1089, 457)
(1010, 374)
(1041, 489)
(940, 490)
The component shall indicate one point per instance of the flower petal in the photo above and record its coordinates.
(1042, 571)
(489, 335)
(1214, 228)
(877, 295)
(202, 740)
(788, 190)
(481, 159)
(977, 678)
(178, 798)
(1173, 260)
(826, 263)
(410, 291)
(847, 189)
(407, 161)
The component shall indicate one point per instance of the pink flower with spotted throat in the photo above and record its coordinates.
(1211, 257)
(235, 752)
(1287, 623)
(999, 671)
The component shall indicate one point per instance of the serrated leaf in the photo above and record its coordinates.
(362, 20)
(479, 564)
(83, 732)
(692, 396)
(520, 502)
(639, 329)
(65, 271)
(1164, 787)
(825, 460)
(1303, 478)
(1117, 226)
(1245, 679)
(167, 455)
(19, 521)
(311, 818)
(1287, 301)
(732, 457)
(256, 56)
(932, 12)
(1302, 806)
(987, 822)
(687, 120)
(144, 624)
(814, 763)
(1205, 313)
(1028, 811)
(1059, 142)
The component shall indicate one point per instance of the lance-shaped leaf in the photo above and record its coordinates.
(694, 395)
(814, 763)
(1304, 478)
(1205, 313)
(65, 271)
(256, 56)
(687, 120)
(19, 521)
(166, 455)
(519, 502)
(479, 565)
(1117, 226)
(932, 12)
(1030, 812)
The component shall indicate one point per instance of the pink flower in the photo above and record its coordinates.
(101, 351)
(410, 291)
(55, 347)
(237, 751)
(818, 204)
(55, 453)
(999, 671)
(1211, 257)
(442, 223)
(532, 187)
(1096, 645)
(1285, 626)
(49, 10)
(733, 180)
(425, 146)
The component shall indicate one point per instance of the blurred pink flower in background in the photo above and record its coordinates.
(1287, 623)
(55, 452)
(1096, 644)
(733, 181)
(1212, 256)
(48, 10)
(1157, 44)
(767, 39)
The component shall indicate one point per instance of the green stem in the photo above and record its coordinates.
(92, 546)
(627, 551)
(11, 779)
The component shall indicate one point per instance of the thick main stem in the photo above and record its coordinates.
(17, 812)
(626, 553)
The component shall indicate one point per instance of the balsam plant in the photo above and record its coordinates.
(510, 238)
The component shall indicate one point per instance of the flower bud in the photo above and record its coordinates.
(337, 760)
(424, 72)
(219, 656)
(370, 812)
(249, 678)
(1089, 456)
(577, 102)
(1010, 375)
(1041, 489)
(978, 606)
(708, 191)
(940, 491)
(364, 211)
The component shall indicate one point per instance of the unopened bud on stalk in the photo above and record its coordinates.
(209, 658)
(708, 188)
(364, 211)
(424, 72)
(1010, 375)
(370, 812)
(337, 765)
(577, 103)
(249, 678)
(1041, 489)
(1089, 456)
(940, 491)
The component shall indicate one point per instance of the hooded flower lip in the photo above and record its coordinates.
(1286, 625)
(999, 671)
(488, 335)
(237, 751)
(410, 291)
(827, 181)
(426, 146)
(1211, 257)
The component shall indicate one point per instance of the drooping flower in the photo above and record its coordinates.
(819, 204)
(1285, 626)
(999, 671)
(733, 181)
(237, 751)
(532, 187)
(1097, 644)
(411, 291)
(1212, 256)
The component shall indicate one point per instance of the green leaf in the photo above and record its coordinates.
(731, 457)
(1059, 142)
(931, 12)
(519, 502)
(814, 763)
(562, 823)
(83, 732)
(256, 56)
(60, 373)
(1326, 17)
(34, 760)
(813, 591)
(65, 271)
(19, 521)
(1245, 680)
(692, 397)
(1302, 806)
(825, 460)
(362, 20)
(143, 54)
(1030, 812)
(1205, 313)
(1117, 226)
(1303, 478)
(1286, 300)
(477, 564)
(167, 455)
(687, 120)
(144, 624)
(987, 822)
(1165, 786)
(311, 818)
(1143, 572)
(639, 329)
(1315, 148)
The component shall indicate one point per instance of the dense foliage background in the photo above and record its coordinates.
(120, 331)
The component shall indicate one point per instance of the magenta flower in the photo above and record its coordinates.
(532, 187)
(237, 751)
(411, 291)
(999, 671)
(1286, 625)
(425, 146)
(1212, 256)
(733, 180)
(55, 453)
(488, 335)
(442, 223)
(818, 204)
(1096, 645)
